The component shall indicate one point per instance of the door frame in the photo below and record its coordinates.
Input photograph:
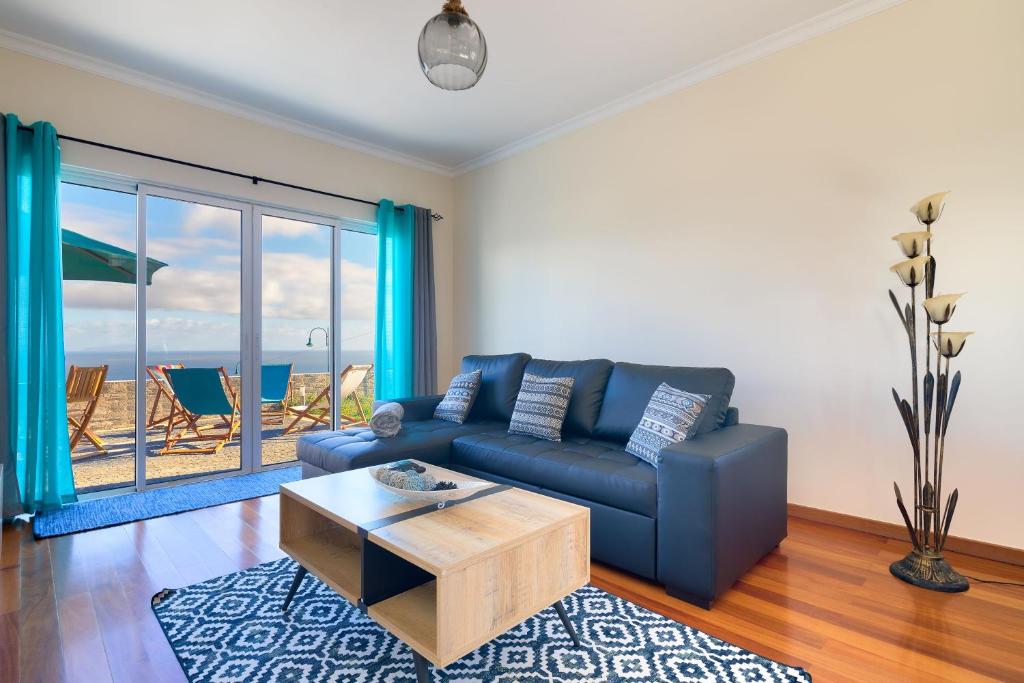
(251, 292)
(254, 427)
(246, 351)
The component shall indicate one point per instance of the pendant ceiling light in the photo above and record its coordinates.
(453, 51)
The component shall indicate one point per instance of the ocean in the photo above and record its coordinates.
(122, 363)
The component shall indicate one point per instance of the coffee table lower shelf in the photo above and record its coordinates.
(412, 618)
(332, 559)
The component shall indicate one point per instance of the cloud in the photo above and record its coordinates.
(298, 286)
(359, 291)
(99, 334)
(295, 287)
(203, 218)
(283, 227)
(170, 249)
(101, 295)
(107, 225)
(196, 289)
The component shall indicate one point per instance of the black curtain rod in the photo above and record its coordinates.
(213, 169)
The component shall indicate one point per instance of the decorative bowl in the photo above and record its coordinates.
(467, 486)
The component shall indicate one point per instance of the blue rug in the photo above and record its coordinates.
(232, 629)
(132, 507)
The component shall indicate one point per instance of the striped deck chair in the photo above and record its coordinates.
(318, 411)
(199, 393)
(83, 389)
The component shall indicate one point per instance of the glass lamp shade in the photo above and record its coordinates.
(913, 243)
(950, 344)
(453, 51)
(940, 308)
(930, 208)
(911, 271)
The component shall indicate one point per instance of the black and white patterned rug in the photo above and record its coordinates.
(232, 629)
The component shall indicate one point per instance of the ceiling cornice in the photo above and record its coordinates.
(794, 35)
(53, 53)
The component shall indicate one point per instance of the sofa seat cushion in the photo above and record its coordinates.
(349, 449)
(577, 466)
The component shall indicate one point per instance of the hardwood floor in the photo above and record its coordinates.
(76, 608)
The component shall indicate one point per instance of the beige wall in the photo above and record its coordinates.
(88, 106)
(745, 222)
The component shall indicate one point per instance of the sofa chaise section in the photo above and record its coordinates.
(426, 439)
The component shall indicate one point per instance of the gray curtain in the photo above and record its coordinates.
(424, 318)
(10, 495)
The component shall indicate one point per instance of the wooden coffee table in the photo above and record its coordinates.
(444, 581)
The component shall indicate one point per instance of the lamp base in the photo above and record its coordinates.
(929, 570)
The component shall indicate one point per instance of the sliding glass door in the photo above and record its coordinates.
(296, 330)
(237, 332)
(194, 366)
(98, 249)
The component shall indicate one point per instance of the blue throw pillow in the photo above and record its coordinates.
(541, 406)
(457, 401)
(672, 415)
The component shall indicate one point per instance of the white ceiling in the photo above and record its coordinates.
(348, 71)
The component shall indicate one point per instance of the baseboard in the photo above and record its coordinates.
(966, 546)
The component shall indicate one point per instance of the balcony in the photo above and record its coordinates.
(114, 423)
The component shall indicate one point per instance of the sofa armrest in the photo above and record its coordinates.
(721, 508)
(417, 407)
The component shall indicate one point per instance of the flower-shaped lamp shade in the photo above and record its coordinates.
(929, 209)
(950, 344)
(911, 271)
(940, 308)
(913, 243)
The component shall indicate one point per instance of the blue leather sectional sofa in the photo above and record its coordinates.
(714, 506)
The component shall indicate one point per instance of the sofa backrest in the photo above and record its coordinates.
(631, 385)
(590, 380)
(500, 379)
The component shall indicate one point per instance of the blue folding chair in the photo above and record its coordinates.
(275, 389)
(198, 393)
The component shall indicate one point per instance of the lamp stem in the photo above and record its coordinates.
(938, 430)
(918, 516)
(929, 282)
(940, 451)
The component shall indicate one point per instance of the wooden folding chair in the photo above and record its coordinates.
(83, 389)
(318, 411)
(163, 392)
(198, 393)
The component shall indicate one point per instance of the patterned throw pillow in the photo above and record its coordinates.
(541, 406)
(672, 415)
(457, 401)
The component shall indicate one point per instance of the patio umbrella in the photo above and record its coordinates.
(89, 259)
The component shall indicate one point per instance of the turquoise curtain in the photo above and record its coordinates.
(393, 371)
(37, 412)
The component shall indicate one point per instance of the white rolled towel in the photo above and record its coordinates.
(387, 419)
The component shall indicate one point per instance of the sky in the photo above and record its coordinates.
(194, 302)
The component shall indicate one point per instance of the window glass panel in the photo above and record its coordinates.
(358, 274)
(193, 322)
(296, 332)
(98, 250)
